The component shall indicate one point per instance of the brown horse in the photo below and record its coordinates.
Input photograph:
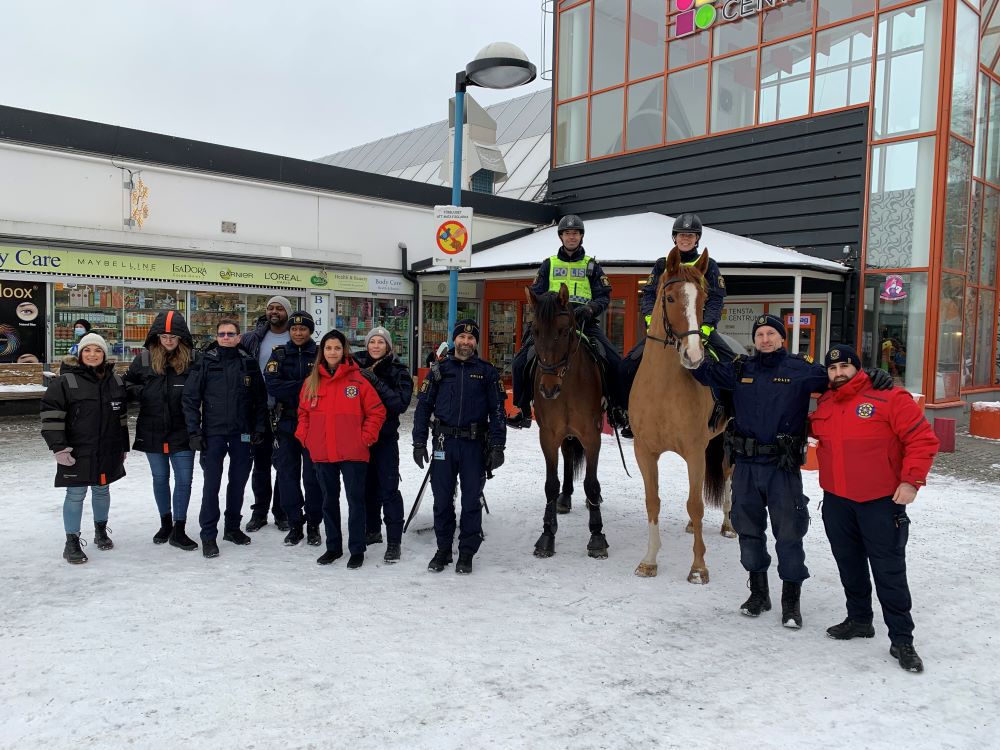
(669, 410)
(571, 422)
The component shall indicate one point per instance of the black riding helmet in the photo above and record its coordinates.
(570, 221)
(688, 224)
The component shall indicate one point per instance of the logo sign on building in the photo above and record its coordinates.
(892, 290)
(698, 15)
(737, 321)
(453, 236)
(22, 321)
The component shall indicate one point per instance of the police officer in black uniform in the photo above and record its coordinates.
(284, 374)
(589, 294)
(686, 234)
(766, 441)
(462, 399)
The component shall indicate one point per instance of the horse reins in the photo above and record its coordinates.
(672, 339)
(561, 368)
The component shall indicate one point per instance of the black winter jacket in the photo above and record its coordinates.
(87, 412)
(394, 388)
(224, 394)
(284, 375)
(161, 427)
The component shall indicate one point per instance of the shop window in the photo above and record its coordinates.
(354, 318)
(208, 308)
(992, 172)
(949, 348)
(975, 214)
(843, 65)
(969, 339)
(906, 70)
(609, 43)
(503, 336)
(687, 100)
(981, 109)
(394, 315)
(900, 204)
(736, 36)
(645, 114)
(966, 69)
(784, 79)
(647, 29)
(786, 20)
(571, 132)
(687, 50)
(831, 11)
(606, 122)
(893, 326)
(956, 224)
(99, 305)
(984, 337)
(434, 327)
(734, 92)
(574, 51)
(140, 308)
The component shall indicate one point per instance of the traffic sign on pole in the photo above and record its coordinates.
(452, 236)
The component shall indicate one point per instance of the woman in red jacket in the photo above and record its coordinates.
(875, 449)
(340, 416)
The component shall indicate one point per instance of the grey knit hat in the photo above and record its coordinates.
(283, 301)
(379, 331)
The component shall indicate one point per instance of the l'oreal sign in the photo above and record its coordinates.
(698, 15)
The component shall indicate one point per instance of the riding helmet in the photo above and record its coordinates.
(570, 221)
(687, 223)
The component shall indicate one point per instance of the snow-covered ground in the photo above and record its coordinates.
(148, 646)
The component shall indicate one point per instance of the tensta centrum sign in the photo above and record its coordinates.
(698, 15)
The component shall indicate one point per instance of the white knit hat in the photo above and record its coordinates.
(379, 331)
(93, 339)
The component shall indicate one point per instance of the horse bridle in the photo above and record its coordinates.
(561, 368)
(672, 338)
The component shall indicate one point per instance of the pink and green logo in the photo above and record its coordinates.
(694, 15)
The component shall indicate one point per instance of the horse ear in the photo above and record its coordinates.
(702, 263)
(563, 295)
(673, 262)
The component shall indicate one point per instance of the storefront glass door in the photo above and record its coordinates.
(394, 316)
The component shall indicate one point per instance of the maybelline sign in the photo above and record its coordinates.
(698, 15)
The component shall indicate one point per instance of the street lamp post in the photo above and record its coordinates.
(499, 65)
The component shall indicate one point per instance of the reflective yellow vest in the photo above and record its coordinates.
(574, 275)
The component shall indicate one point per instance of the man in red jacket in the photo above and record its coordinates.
(875, 449)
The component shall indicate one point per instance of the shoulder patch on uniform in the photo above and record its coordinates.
(722, 281)
(425, 386)
(272, 366)
(605, 281)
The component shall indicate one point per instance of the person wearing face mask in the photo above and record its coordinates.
(767, 440)
(461, 407)
(85, 424)
(340, 416)
(270, 333)
(875, 451)
(394, 386)
(156, 380)
(80, 329)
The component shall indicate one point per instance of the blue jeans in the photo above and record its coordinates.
(183, 465)
(100, 499)
(217, 447)
(329, 475)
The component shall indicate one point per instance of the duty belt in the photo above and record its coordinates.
(790, 450)
(473, 431)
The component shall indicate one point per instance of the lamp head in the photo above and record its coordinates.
(500, 65)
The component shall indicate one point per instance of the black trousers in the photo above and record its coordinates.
(872, 534)
(260, 480)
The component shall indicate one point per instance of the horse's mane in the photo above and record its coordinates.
(547, 307)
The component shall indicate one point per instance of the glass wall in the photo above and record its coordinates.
(894, 320)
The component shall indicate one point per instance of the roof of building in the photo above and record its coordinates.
(524, 129)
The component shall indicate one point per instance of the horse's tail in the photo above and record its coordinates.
(576, 455)
(715, 474)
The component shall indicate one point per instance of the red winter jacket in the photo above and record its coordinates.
(870, 441)
(342, 422)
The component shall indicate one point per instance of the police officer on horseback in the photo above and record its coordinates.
(460, 406)
(686, 234)
(589, 295)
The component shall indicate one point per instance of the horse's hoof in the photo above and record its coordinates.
(598, 546)
(598, 554)
(564, 503)
(729, 532)
(646, 570)
(698, 576)
(545, 546)
(689, 529)
(543, 553)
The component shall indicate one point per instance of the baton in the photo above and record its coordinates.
(416, 503)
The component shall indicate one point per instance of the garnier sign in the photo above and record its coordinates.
(698, 15)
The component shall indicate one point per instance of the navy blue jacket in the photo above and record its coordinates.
(770, 392)
(224, 394)
(716, 288)
(461, 393)
(600, 287)
(284, 374)
(394, 386)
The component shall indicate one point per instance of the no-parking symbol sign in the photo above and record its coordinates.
(452, 236)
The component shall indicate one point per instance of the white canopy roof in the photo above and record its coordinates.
(641, 239)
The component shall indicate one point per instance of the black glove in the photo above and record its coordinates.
(368, 375)
(196, 443)
(495, 458)
(420, 455)
(256, 438)
(881, 380)
(583, 313)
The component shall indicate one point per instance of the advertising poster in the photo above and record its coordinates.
(22, 321)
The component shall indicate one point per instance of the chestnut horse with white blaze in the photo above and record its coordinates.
(669, 410)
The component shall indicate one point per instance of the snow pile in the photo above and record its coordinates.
(986, 406)
(22, 388)
(148, 646)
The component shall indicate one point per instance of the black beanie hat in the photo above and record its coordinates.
(769, 320)
(466, 326)
(333, 333)
(842, 353)
(302, 318)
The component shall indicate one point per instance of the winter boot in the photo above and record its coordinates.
(907, 657)
(464, 564)
(281, 523)
(392, 553)
(73, 551)
(312, 535)
(373, 537)
(330, 556)
(441, 558)
(180, 539)
(760, 598)
(166, 526)
(235, 536)
(256, 523)
(355, 561)
(849, 629)
(791, 617)
(209, 548)
(101, 538)
(519, 421)
(294, 536)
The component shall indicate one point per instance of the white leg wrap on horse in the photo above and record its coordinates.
(653, 548)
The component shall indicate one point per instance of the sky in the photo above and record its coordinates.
(302, 78)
